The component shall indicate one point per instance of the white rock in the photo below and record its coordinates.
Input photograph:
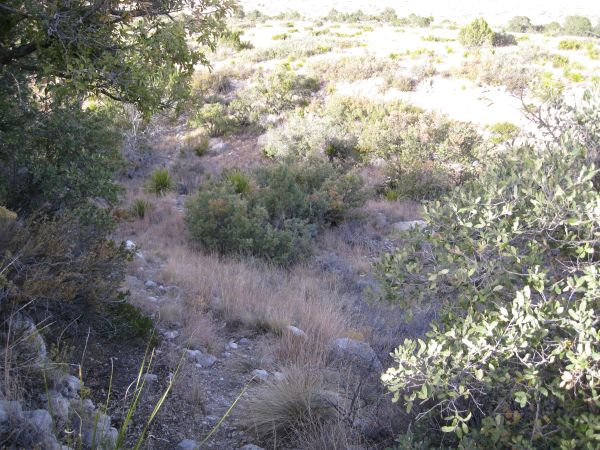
(40, 419)
(152, 299)
(278, 376)
(203, 361)
(251, 447)
(260, 374)
(295, 331)
(69, 386)
(231, 346)
(187, 444)
(244, 341)
(150, 284)
(150, 377)
(360, 354)
(171, 334)
(130, 245)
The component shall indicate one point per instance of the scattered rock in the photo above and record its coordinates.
(409, 225)
(171, 334)
(130, 245)
(295, 331)
(69, 386)
(226, 354)
(244, 341)
(219, 147)
(150, 377)
(187, 444)
(231, 346)
(356, 353)
(203, 360)
(29, 348)
(260, 374)
(150, 284)
(152, 299)
(59, 406)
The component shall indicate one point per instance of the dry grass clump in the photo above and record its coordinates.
(262, 297)
(498, 70)
(352, 68)
(280, 411)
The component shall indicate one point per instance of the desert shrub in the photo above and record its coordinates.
(552, 28)
(160, 182)
(577, 26)
(508, 71)
(560, 61)
(478, 33)
(592, 50)
(400, 82)
(502, 132)
(415, 21)
(509, 261)
(232, 39)
(520, 24)
(214, 118)
(280, 37)
(352, 68)
(388, 15)
(273, 212)
(299, 48)
(570, 44)
(284, 89)
(59, 263)
(503, 40)
(431, 38)
(546, 87)
(140, 207)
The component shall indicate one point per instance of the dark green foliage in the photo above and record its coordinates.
(577, 26)
(273, 212)
(477, 34)
(509, 261)
(503, 40)
(56, 157)
(233, 39)
(131, 323)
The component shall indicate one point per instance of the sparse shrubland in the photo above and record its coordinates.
(508, 261)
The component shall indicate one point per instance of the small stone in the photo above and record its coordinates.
(130, 245)
(231, 346)
(152, 299)
(244, 341)
(226, 354)
(357, 353)
(171, 334)
(260, 374)
(69, 386)
(251, 447)
(187, 444)
(150, 377)
(150, 284)
(380, 220)
(295, 331)
(202, 360)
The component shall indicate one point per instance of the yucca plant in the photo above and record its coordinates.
(140, 207)
(160, 182)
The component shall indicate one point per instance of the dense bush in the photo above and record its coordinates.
(214, 118)
(274, 211)
(477, 34)
(571, 44)
(510, 262)
(233, 39)
(577, 26)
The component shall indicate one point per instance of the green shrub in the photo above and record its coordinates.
(502, 132)
(503, 40)
(160, 182)
(274, 212)
(577, 26)
(520, 24)
(510, 261)
(280, 37)
(140, 207)
(132, 323)
(560, 61)
(570, 44)
(552, 28)
(477, 34)
(214, 117)
(232, 38)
